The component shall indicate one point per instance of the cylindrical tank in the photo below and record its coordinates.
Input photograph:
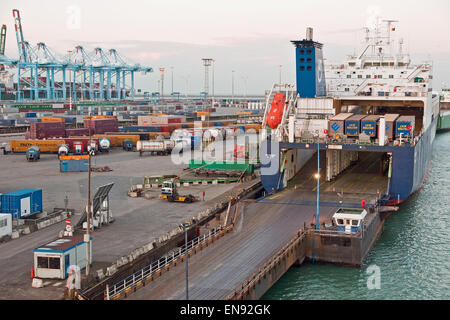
(104, 144)
(160, 147)
(33, 153)
(63, 150)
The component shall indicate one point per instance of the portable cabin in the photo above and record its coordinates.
(336, 124)
(52, 260)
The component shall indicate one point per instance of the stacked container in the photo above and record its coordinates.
(44, 130)
(77, 132)
(369, 125)
(405, 126)
(99, 126)
(22, 203)
(391, 118)
(336, 124)
(353, 125)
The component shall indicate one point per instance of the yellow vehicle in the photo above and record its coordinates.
(169, 192)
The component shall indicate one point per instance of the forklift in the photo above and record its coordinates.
(169, 192)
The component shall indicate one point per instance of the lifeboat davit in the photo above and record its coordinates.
(276, 110)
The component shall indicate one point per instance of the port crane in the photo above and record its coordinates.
(42, 74)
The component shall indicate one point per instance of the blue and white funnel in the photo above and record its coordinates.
(309, 67)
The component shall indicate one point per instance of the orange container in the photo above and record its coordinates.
(74, 157)
(46, 146)
(117, 140)
(53, 119)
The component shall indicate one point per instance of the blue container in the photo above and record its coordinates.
(369, 125)
(405, 126)
(353, 125)
(74, 165)
(109, 113)
(22, 203)
(218, 124)
(30, 115)
(7, 122)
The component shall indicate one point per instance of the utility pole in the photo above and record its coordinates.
(171, 68)
(88, 209)
(232, 87)
(280, 74)
(161, 70)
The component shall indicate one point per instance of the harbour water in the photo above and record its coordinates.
(412, 253)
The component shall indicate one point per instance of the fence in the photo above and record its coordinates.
(137, 278)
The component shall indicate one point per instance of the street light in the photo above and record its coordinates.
(317, 176)
(185, 225)
(232, 87)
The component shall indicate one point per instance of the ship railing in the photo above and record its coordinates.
(138, 277)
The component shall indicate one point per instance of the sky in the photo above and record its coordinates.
(251, 37)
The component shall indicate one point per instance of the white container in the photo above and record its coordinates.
(154, 146)
(5, 224)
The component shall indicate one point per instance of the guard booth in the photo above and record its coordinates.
(52, 261)
(349, 220)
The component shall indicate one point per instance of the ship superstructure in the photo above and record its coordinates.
(378, 107)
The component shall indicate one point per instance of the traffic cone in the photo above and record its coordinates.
(32, 273)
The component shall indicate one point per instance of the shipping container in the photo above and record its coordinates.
(99, 126)
(353, 125)
(74, 164)
(154, 128)
(390, 118)
(22, 203)
(127, 145)
(78, 132)
(45, 146)
(46, 130)
(405, 126)
(369, 125)
(53, 119)
(7, 123)
(142, 135)
(336, 124)
(30, 115)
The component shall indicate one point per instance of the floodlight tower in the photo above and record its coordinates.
(162, 82)
(207, 63)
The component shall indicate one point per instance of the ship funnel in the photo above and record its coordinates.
(309, 34)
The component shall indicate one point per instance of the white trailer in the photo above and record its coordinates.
(5, 225)
(159, 147)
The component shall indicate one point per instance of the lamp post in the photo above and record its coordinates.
(232, 87)
(185, 225)
(318, 181)
(280, 73)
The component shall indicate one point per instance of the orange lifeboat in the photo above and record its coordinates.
(276, 110)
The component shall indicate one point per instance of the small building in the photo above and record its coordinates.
(5, 225)
(52, 261)
(349, 220)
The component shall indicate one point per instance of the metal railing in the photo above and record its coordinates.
(114, 291)
(268, 265)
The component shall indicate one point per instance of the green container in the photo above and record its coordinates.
(222, 165)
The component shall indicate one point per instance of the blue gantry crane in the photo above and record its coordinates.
(39, 67)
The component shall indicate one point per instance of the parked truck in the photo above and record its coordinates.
(169, 191)
(163, 147)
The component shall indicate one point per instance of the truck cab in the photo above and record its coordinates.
(168, 188)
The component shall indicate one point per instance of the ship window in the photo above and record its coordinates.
(309, 51)
(309, 68)
(292, 158)
(340, 221)
(359, 76)
(302, 51)
(355, 222)
(349, 76)
(368, 76)
(302, 60)
(347, 89)
(302, 68)
(347, 221)
(380, 76)
(391, 76)
(309, 60)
